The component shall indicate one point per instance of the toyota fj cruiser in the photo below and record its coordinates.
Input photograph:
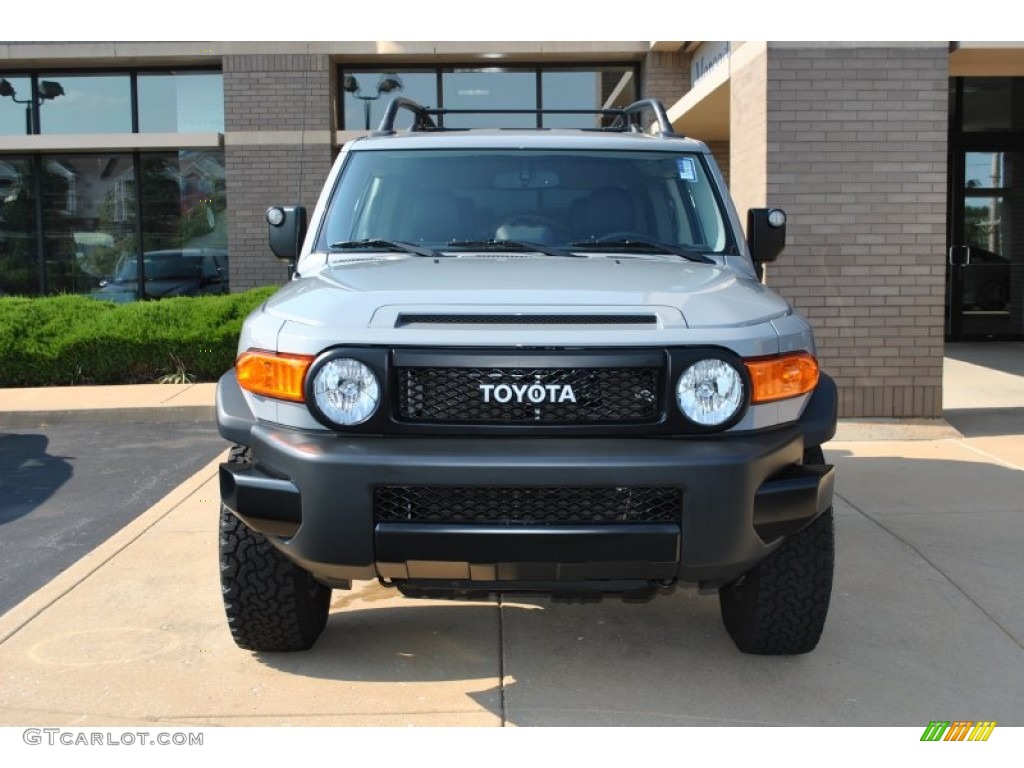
(534, 361)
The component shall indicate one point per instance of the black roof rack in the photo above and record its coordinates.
(627, 119)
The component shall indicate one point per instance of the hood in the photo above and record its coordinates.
(360, 292)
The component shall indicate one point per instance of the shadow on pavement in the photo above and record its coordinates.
(28, 475)
(986, 422)
(1006, 356)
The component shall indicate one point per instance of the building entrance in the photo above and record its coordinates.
(985, 271)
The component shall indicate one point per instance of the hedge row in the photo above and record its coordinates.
(63, 340)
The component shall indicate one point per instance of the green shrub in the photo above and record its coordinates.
(71, 339)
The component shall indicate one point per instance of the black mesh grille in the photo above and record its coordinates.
(533, 506)
(529, 395)
(527, 319)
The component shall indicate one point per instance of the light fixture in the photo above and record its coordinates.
(388, 82)
(49, 90)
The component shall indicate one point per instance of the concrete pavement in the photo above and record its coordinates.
(927, 618)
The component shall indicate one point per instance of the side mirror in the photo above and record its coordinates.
(287, 230)
(766, 233)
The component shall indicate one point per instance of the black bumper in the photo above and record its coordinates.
(313, 494)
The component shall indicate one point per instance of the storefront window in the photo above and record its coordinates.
(19, 269)
(15, 105)
(85, 104)
(586, 89)
(181, 102)
(494, 88)
(489, 89)
(366, 95)
(88, 218)
(993, 104)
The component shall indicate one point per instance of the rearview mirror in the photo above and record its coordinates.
(287, 230)
(766, 233)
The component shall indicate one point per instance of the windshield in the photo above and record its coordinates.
(558, 198)
(171, 266)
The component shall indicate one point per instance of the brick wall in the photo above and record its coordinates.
(279, 124)
(748, 127)
(720, 149)
(856, 142)
(259, 176)
(666, 76)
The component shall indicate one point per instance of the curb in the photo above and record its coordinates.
(137, 415)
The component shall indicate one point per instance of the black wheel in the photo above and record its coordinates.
(780, 606)
(271, 603)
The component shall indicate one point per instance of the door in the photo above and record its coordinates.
(986, 255)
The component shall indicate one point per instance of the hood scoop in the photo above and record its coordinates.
(423, 320)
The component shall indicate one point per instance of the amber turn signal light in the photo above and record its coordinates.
(272, 375)
(777, 378)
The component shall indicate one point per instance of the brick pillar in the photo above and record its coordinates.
(854, 141)
(666, 76)
(278, 148)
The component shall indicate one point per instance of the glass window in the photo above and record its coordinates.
(585, 89)
(367, 94)
(85, 104)
(15, 105)
(184, 228)
(489, 88)
(993, 170)
(88, 218)
(993, 104)
(181, 102)
(19, 270)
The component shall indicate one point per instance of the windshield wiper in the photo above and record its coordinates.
(692, 253)
(509, 245)
(385, 245)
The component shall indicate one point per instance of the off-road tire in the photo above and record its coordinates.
(779, 607)
(271, 603)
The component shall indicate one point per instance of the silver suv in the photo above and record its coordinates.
(526, 361)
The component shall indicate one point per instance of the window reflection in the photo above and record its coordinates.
(15, 105)
(366, 98)
(88, 104)
(993, 104)
(489, 89)
(181, 102)
(92, 209)
(590, 89)
(88, 218)
(184, 230)
(585, 88)
(19, 271)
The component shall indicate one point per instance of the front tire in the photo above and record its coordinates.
(779, 607)
(271, 603)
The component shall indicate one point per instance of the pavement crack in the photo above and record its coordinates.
(935, 567)
(503, 713)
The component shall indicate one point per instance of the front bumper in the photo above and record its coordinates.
(313, 495)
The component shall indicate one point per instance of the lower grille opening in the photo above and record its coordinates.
(526, 506)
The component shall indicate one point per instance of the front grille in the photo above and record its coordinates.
(526, 506)
(529, 395)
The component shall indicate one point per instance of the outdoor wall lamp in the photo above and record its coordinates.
(46, 91)
(386, 84)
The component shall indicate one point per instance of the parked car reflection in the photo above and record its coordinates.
(173, 272)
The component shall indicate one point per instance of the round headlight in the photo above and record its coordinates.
(710, 392)
(346, 391)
